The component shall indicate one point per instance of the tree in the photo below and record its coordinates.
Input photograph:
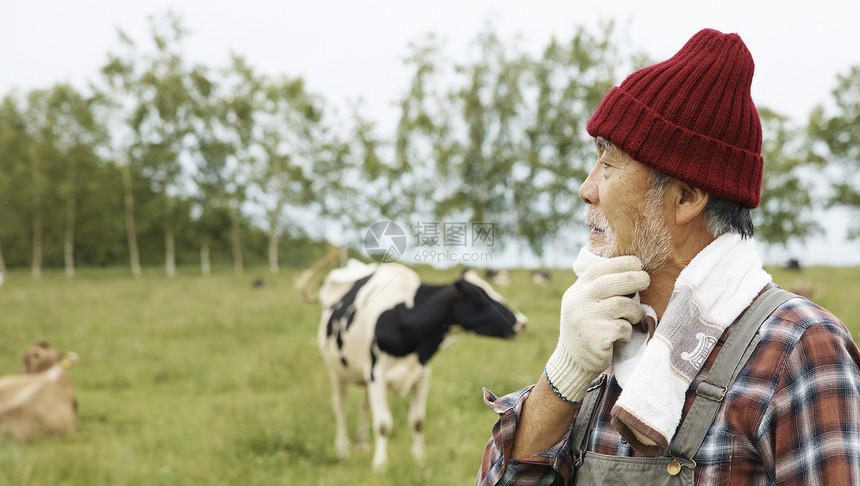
(570, 80)
(786, 202)
(489, 159)
(351, 185)
(56, 129)
(230, 135)
(14, 143)
(39, 154)
(75, 133)
(482, 178)
(461, 145)
(146, 100)
(210, 154)
(425, 145)
(839, 134)
(115, 106)
(290, 125)
(161, 122)
(505, 142)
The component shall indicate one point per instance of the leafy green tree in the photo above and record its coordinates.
(785, 213)
(56, 127)
(40, 155)
(425, 145)
(457, 137)
(505, 141)
(230, 140)
(838, 132)
(210, 154)
(14, 146)
(116, 101)
(352, 186)
(146, 99)
(289, 129)
(161, 122)
(99, 233)
(75, 132)
(497, 113)
(570, 80)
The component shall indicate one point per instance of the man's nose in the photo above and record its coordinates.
(588, 190)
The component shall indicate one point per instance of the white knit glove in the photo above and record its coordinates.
(595, 312)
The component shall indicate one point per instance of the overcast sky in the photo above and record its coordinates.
(348, 50)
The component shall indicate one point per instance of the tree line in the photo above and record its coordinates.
(157, 161)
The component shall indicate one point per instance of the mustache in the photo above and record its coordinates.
(594, 219)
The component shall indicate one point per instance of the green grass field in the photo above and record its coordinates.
(211, 381)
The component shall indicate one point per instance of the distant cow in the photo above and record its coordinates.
(540, 277)
(381, 325)
(499, 278)
(792, 264)
(40, 400)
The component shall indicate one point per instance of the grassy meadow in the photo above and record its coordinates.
(212, 381)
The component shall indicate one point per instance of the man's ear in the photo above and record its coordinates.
(689, 202)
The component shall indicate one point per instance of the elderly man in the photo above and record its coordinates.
(678, 360)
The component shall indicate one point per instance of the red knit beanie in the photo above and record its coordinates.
(691, 117)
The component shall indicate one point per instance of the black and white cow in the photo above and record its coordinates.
(540, 277)
(499, 278)
(381, 326)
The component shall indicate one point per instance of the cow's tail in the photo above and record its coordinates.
(307, 277)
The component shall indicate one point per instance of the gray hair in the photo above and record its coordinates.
(721, 215)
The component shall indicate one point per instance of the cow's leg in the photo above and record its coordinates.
(382, 421)
(341, 439)
(418, 412)
(361, 442)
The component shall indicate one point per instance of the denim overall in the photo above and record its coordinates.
(678, 466)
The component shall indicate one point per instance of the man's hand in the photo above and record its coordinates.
(595, 312)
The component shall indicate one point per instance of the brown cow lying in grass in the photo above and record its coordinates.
(40, 400)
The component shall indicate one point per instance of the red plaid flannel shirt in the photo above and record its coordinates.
(792, 416)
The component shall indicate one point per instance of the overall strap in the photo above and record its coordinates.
(712, 390)
(585, 418)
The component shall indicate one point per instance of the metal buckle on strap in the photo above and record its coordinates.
(674, 467)
(711, 391)
(600, 381)
(577, 460)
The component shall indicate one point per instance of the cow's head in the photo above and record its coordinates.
(480, 309)
(42, 356)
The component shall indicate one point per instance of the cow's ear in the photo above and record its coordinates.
(463, 289)
(457, 289)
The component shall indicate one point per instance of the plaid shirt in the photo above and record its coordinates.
(791, 417)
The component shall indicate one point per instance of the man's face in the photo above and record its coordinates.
(625, 214)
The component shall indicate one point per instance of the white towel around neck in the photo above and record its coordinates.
(654, 374)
